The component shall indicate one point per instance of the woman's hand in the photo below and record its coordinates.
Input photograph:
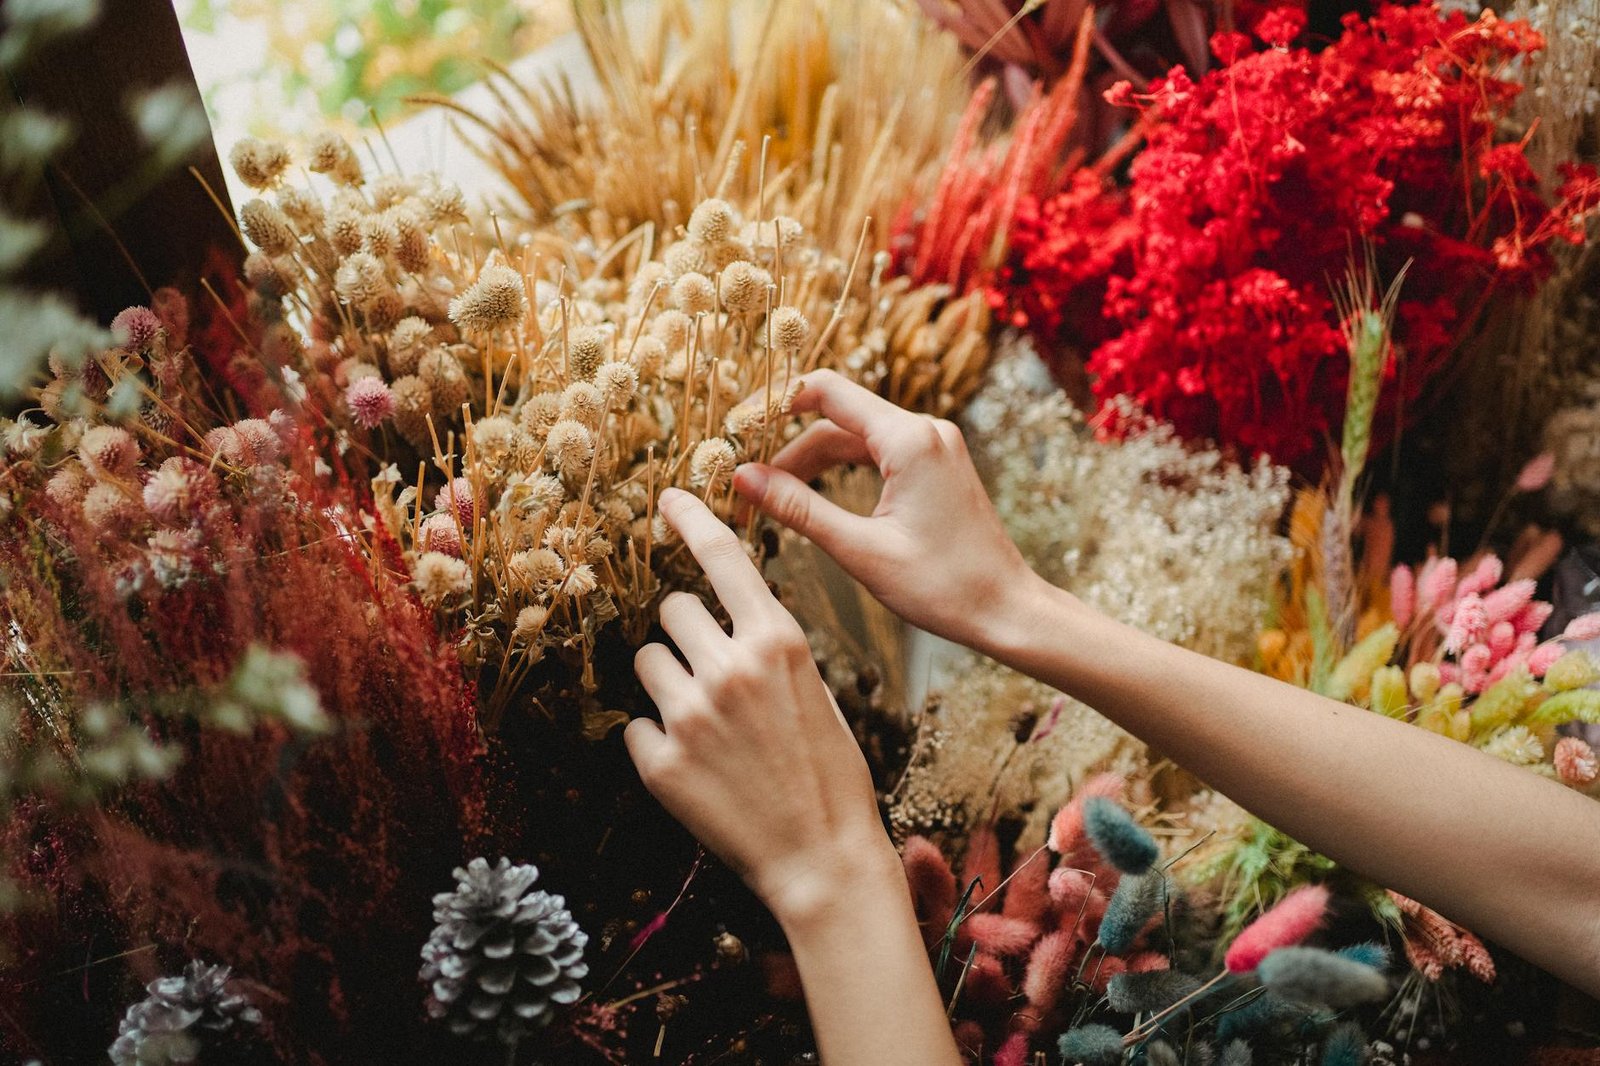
(933, 551)
(752, 754)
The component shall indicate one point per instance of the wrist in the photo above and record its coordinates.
(1028, 612)
(826, 888)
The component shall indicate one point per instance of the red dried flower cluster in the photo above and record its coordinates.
(1204, 290)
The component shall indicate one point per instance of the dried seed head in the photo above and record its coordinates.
(361, 279)
(460, 498)
(265, 275)
(412, 246)
(492, 437)
(535, 570)
(344, 230)
(648, 355)
(379, 236)
(743, 287)
(258, 163)
(68, 486)
(407, 341)
(369, 400)
(586, 350)
(439, 533)
(530, 620)
(387, 190)
(712, 221)
(790, 328)
(412, 402)
(497, 300)
(302, 208)
(544, 493)
(446, 206)
(267, 227)
(746, 419)
(725, 253)
(583, 402)
(711, 465)
(351, 370)
(645, 281)
(178, 489)
(137, 328)
(541, 411)
(438, 577)
(570, 447)
(618, 382)
(110, 508)
(672, 329)
(694, 294)
(447, 382)
(580, 581)
(685, 257)
(108, 451)
(332, 155)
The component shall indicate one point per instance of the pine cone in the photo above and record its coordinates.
(182, 1018)
(502, 957)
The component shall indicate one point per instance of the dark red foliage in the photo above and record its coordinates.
(1204, 290)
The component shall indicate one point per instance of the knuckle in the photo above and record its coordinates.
(949, 433)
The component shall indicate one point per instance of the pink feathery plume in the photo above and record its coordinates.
(1501, 638)
(1066, 829)
(933, 886)
(1533, 617)
(998, 935)
(1402, 595)
(1028, 893)
(1148, 962)
(1105, 970)
(1507, 601)
(1475, 957)
(1544, 657)
(1438, 584)
(982, 862)
(1468, 623)
(1484, 576)
(1295, 917)
(1048, 969)
(1014, 1052)
(986, 981)
(1536, 474)
(1069, 888)
(1583, 628)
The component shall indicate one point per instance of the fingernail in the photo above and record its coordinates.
(750, 479)
(671, 496)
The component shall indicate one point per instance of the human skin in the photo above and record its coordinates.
(768, 777)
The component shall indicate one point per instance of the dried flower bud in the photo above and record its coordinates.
(302, 208)
(110, 508)
(108, 451)
(492, 436)
(258, 163)
(439, 533)
(686, 257)
(580, 582)
(694, 294)
(137, 328)
(790, 328)
(379, 236)
(267, 227)
(437, 577)
(743, 287)
(413, 400)
(724, 254)
(583, 402)
(618, 382)
(570, 447)
(412, 245)
(746, 419)
(446, 381)
(535, 570)
(712, 221)
(446, 206)
(351, 370)
(344, 230)
(586, 350)
(266, 276)
(497, 300)
(361, 279)
(541, 411)
(370, 401)
(672, 329)
(530, 620)
(645, 281)
(407, 341)
(332, 155)
(458, 496)
(711, 465)
(178, 490)
(648, 356)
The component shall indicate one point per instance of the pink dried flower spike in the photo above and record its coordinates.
(1583, 628)
(1294, 918)
(1537, 473)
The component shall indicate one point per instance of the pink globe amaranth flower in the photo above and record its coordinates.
(1294, 918)
(178, 489)
(438, 533)
(137, 327)
(1576, 763)
(1402, 595)
(370, 402)
(1537, 473)
(458, 495)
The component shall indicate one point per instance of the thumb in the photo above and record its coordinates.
(791, 502)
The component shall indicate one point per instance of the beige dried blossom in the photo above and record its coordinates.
(694, 294)
(790, 328)
(711, 466)
(447, 383)
(267, 227)
(361, 279)
(586, 350)
(541, 412)
(530, 620)
(743, 287)
(496, 300)
(332, 155)
(438, 577)
(583, 402)
(618, 382)
(108, 451)
(570, 446)
(259, 163)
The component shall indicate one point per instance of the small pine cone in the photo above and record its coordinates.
(502, 956)
(192, 1018)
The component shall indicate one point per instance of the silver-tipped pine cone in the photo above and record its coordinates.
(503, 956)
(184, 1019)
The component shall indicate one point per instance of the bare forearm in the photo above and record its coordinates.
(1512, 856)
(869, 988)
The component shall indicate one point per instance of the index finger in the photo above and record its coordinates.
(734, 578)
(853, 408)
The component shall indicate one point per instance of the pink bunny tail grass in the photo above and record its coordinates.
(1544, 657)
(933, 886)
(1402, 595)
(1014, 1052)
(1069, 889)
(1049, 967)
(1438, 586)
(1485, 576)
(969, 1038)
(1294, 918)
(1583, 628)
(1507, 601)
(1536, 474)
(1028, 893)
(982, 862)
(1104, 970)
(1469, 623)
(998, 935)
(1148, 962)
(986, 981)
(1532, 618)
(1066, 829)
